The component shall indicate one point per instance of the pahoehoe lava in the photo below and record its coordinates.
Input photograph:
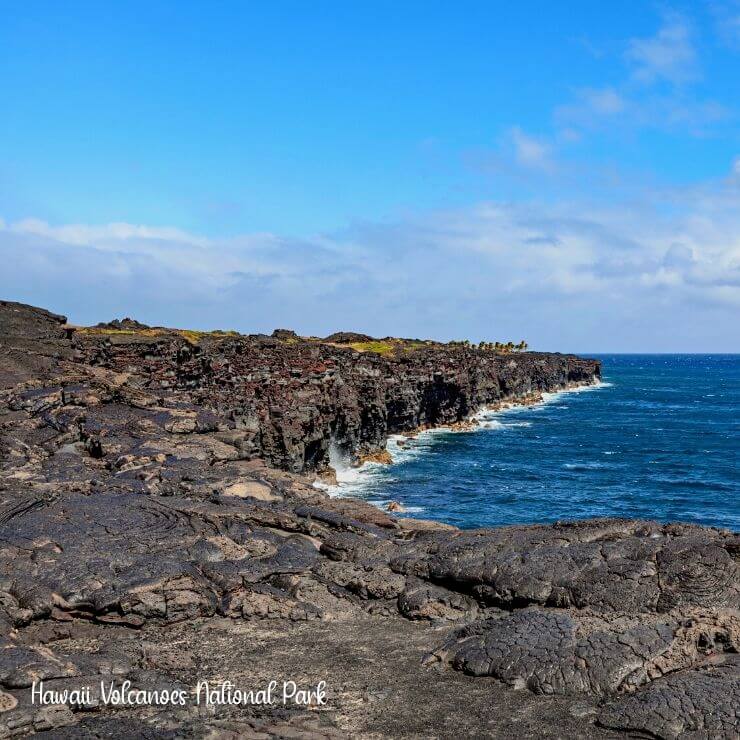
(158, 524)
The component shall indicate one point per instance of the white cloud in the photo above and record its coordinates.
(590, 107)
(675, 113)
(605, 101)
(84, 234)
(580, 275)
(530, 151)
(727, 21)
(669, 55)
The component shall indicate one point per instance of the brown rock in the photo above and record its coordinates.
(250, 489)
(383, 457)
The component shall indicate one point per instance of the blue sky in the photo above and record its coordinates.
(489, 170)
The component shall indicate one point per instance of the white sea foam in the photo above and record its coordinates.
(584, 466)
(383, 504)
(550, 396)
(345, 472)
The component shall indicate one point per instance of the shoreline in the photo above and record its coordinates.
(348, 476)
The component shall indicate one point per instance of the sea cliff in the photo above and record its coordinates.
(158, 525)
(288, 399)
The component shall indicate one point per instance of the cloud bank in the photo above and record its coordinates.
(659, 275)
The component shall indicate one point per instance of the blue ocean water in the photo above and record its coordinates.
(660, 439)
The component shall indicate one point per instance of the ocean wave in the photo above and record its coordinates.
(713, 485)
(585, 466)
(410, 448)
(551, 396)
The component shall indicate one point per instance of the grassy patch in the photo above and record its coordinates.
(119, 332)
(411, 346)
(190, 335)
(386, 346)
(382, 348)
(193, 336)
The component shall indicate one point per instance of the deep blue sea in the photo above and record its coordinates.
(660, 439)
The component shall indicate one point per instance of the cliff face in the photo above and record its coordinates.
(290, 400)
(143, 539)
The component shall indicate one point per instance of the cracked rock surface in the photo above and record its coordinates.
(158, 525)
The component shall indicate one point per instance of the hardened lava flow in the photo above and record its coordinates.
(159, 525)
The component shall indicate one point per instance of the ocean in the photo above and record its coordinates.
(658, 439)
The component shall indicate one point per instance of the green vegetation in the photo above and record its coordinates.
(120, 332)
(191, 335)
(388, 346)
(503, 347)
(385, 347)
(391, 346)
(381, 347)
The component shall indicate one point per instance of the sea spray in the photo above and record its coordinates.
(340, 461)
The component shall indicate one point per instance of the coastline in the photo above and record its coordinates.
(151, 536)
(348, 478)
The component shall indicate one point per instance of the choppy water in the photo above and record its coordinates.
(660, 439)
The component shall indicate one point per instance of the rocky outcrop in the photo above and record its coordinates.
(33, 341)
(150, 532)
(347, 337)
(126, 324)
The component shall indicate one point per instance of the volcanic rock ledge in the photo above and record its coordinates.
(288, 400)
(158, 524)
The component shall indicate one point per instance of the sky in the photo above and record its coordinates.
(564, 174)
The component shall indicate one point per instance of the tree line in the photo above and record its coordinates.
(491, 346)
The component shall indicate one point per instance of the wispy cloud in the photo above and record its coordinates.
(661, 274)
(591, 107)
(667, 56)
(606, 101)
(727, 22)
(530, 151)
(674, 112)
(658, 90)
